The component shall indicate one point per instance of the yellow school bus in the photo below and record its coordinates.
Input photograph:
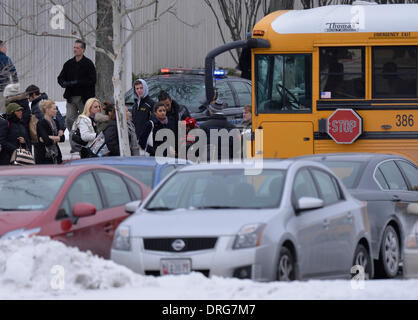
(339, 78)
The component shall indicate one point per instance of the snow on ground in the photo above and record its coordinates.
(28, 271)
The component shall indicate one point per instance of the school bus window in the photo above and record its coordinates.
(341, 72)
(283, 83)
(394, 72)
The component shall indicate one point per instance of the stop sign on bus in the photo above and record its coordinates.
(344, 126)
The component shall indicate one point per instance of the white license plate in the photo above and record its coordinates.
(175, 266)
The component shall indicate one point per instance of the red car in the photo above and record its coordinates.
(78, 205)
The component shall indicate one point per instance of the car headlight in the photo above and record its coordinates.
(21, 233)
(122, 239)
(249, 236)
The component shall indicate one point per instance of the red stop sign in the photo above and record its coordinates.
(344, 126)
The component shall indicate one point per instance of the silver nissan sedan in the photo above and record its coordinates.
(290, 219)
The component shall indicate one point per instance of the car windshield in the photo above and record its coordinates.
(28, 192)
(219, 189)
(187, 92)
(142, 174)
(347, 171)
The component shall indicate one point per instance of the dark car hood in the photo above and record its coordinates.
(12, 220)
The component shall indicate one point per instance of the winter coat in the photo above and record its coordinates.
(142, 109)
(44, 129)
(16, 129)
(22, 101)
(112, 139)
(87, 129)
(7, 69)
(4, 129)
(146, 132)
(218, 122)
(78, 78)
(36, 110)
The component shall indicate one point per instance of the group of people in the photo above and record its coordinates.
(87, 115)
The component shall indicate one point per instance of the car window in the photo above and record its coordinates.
(136, 190)
(64, 211)
(20, 192)
(115, 189)
(219, 189)
(304, 185)
(243, 91)
(225, 94)
(381, 179)
(187, 91)
(84, 189)
(328, 187)
(348, 171)
(166, 171)
(144, 174)
(411, 173)
(393, 176)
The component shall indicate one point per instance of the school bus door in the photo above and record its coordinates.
(286, 139)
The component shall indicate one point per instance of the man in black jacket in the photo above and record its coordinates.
(78, 77)
(175, 113)
(217, 122)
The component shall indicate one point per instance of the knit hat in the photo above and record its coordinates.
(216, 107)
(11, 90)
(12, 107)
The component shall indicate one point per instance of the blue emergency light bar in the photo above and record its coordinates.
(219, 73)
(216, 73)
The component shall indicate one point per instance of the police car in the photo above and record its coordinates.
(187, 87)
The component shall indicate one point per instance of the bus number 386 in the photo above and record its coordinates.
(404, 120)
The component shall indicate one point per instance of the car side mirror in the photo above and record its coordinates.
(81, 210)
(412, 208)
(131, 207)
(309, 203)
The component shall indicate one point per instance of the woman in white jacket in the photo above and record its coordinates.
(85, 122)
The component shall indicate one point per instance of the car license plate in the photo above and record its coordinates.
(175, 266)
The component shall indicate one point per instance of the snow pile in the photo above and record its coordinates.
(47, 266)
(40, 268)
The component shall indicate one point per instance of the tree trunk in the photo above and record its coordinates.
(280, 5)
(104, 65)
(117, 79)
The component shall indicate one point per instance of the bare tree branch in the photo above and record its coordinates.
(140, 7)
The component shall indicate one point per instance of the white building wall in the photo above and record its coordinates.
(169, 42)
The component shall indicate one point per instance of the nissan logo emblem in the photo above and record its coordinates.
(178, 245)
